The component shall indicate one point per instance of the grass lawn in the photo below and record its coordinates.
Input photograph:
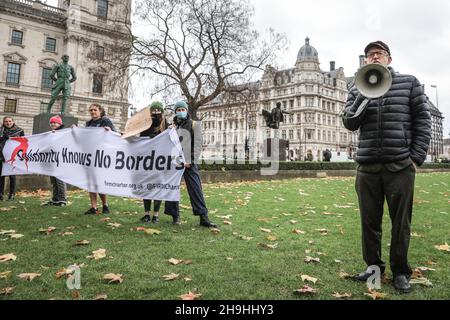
(235, 263)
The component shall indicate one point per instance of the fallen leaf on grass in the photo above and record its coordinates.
(265, 230)
(105, 219)
(4, 275)
(140, 229)
(344, 275)
(309, 259)
(15, 236)
(189, 296)
(245, 238)
(309, 278)
(323, 232)
(272, 238)
(101, 297)
(65, 234)
(113, 278)
(98, 254)
(76, 295)
(47, 231)
(227, 222)
(292, 221)
(114, 225)
(296, 231)
(375, 295)
(268, 246)
(63, 273)
(264, 220)
(152, 231)
(6, 291)
(227, 217)
(425, 269)
(443, 247)
(215, 231)
(3, 232)
(175, 262)
(171, 276)
(306, 290)
(8, 257)
(82, 243)
(187, 279)
(344, 295)
(422, 281)
(29, 276)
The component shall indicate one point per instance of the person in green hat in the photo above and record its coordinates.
(190, 135)
(159, 124)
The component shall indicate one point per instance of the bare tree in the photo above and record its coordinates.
(199, 48)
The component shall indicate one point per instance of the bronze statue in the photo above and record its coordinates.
(274, 118)
(66, 75)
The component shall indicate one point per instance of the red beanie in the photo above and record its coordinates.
(56, 119)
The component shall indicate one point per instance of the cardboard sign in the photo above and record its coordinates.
(138, 123)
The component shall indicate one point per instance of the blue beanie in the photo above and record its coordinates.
(181, 104)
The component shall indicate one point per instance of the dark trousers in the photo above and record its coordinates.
(59, 190)
(148, 205)
(12, 182)
(398, 190)
(194, 187)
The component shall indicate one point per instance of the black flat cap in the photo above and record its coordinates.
(378, 44)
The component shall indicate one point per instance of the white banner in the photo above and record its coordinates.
(101, 161)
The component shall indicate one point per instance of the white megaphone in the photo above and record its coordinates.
(373, 80)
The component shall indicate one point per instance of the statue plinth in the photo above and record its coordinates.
(41, 122)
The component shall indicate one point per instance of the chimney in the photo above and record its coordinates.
(362, 59)
(332, 65)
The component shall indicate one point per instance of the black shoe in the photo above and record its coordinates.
(363, 276)
(204, 222)
(401, 283)
(176, 221)
(155, 219)
(60, 203)
(49, 203)
(105, 210)
(11, 197)
(92, 211)
(146, 219)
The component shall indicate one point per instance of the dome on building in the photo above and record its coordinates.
(307, 52)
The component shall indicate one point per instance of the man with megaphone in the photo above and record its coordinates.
(392, 115)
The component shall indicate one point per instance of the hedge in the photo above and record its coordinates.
(301, 166)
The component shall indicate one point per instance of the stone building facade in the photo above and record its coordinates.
(34, 36)
(233, 125)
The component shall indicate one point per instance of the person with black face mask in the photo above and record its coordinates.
(159, 124)
(8, 130)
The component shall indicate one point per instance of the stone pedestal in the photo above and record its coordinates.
(41, 122)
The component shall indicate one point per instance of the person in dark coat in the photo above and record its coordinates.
(189, 132)
(8, 130)
(159, 124)
(59, 197)
(98, 119)
(394, 138)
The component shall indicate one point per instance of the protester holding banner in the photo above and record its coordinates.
(159, 124)
(8, 130)
(98, 119)
(59, 187)
(192, 146)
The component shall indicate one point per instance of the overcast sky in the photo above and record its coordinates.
(418, 33)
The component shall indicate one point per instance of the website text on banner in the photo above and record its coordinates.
(101, 161)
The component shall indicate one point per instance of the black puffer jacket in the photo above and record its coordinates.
(393, 127)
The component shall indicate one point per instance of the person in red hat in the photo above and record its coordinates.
(59, 187)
